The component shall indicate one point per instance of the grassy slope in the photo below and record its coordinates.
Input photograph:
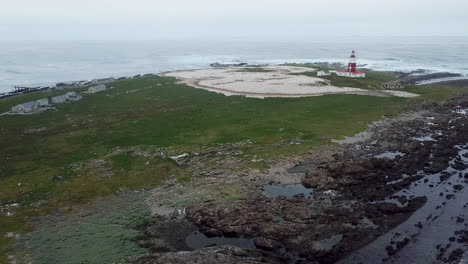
(166, 115)
(107, 225)
(154, 111)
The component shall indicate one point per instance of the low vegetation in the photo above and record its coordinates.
(373, 80)
(107, 142)
(111, 225)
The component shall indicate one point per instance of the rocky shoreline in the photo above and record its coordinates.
(65, 86)
(394, 194)
(407, 78)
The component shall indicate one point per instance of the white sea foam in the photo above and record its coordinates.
(46, 63)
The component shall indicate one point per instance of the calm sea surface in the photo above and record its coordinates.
(49, 62)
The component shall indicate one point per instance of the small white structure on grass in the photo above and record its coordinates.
(59, 99)
(43, 102)
(103, 81)
(25, 108)
(323, 73)
(68, 97)
(351, 74)
(73, 96)
(97, 88)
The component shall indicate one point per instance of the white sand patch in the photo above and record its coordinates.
(400, 93)
(278, 81)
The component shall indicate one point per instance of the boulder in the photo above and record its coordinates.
(317, 179)
(268, 244)
(393, 85)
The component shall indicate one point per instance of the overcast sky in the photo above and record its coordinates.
(154, 19)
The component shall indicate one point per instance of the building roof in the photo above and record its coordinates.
(350, 72)
(29, 104)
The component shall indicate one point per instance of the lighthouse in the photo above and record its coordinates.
(352, 62)
(352, 68)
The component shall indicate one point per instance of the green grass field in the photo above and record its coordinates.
(138, 112)
(38, 153)
(106, 234)
(372, 81)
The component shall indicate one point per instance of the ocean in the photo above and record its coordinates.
(36, 63)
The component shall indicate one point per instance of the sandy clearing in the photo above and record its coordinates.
(278, 82)
(400, 93)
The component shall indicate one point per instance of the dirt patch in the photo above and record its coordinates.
(273, 81)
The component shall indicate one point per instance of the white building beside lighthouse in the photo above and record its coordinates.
(351, 74)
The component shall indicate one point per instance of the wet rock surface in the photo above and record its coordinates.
(415, 77)
(297, 223)
(210, 255)
(366, 207)
(288, 191)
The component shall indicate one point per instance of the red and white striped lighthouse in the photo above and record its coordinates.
(352, 68)
(352, 62)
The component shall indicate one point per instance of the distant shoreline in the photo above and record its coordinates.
(417, 77)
